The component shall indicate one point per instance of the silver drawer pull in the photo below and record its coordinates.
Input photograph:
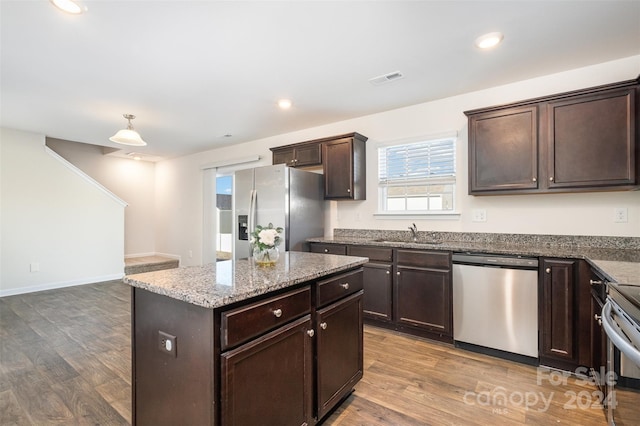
(345, 286)
(548, 270)
(311, 333)
(594, 282)
(323, 325)
(326, 250)
(277, 313)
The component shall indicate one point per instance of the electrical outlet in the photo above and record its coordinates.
(620, 215)
(167, 344)
(479, 215)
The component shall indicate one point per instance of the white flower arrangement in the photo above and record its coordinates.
(267, 237)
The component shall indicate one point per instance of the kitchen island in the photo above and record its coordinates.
(236, 343)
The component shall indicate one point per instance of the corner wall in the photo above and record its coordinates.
(53, 220)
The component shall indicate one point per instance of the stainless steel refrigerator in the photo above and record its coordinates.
(289, 198)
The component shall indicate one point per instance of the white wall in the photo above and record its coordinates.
(131, 180)
(179, 197)
(52, 217)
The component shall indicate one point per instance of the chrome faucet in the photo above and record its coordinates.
(414, 231)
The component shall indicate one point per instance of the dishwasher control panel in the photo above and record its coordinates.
(495, 260)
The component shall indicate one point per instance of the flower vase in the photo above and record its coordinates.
(266, 257)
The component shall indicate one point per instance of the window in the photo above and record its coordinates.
(417, 177)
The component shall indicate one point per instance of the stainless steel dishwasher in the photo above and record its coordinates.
(495, 305)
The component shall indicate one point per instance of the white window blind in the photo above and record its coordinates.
(417, 177)
(417, 162)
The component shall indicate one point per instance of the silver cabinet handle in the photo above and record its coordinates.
(345, 286)
(594, 282)
(388, 272)
(311, 333)
(349, 190)
(598, 318)
(397, 273)
(551, 179)
(534, 180)
(326, 250)
(548, 270)
(323, 325)
(277, 313)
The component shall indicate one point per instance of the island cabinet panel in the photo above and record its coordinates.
(171, 389)
(584, 140)
(338, 287)
(269, 380)
(559, 314)
(247, 322)
(339, 351)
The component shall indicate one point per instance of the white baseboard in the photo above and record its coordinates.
(60, 284)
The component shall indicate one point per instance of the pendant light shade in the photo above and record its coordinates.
(128, 136)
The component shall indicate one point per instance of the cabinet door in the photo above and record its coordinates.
(503, 150)
(591, 140)
(284, 156)
(558, 311)
(268, 381)
(338, 169)
(377, 291)
(423, 299)
(339, 351)
(309, 155)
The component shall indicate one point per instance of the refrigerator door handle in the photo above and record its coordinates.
(252, 214)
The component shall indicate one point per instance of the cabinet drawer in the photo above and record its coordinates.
(373, 253)
(246, 322)
(338, 287)
(424, 259)
(328, 248)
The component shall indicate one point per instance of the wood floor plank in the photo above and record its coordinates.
(10, 411)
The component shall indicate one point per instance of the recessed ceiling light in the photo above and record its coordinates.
(284, 103)
(70, 6)
(488, 41)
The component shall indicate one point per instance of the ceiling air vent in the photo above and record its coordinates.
(386, 78)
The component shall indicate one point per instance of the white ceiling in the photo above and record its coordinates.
(193, 71)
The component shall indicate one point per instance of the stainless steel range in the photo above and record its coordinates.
(621, 322)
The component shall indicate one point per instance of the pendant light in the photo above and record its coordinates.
(128, 136)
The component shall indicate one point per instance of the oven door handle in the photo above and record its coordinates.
(614, 335)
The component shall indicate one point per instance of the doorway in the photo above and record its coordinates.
(224, 217)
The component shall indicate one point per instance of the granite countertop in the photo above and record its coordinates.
(222, 283)
(612, 259)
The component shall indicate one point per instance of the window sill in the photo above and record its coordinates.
(418, 215)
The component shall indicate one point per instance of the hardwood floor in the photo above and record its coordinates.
(65, 359)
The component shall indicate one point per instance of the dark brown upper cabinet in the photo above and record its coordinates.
(344, 168)
(584, 140)
(343, 160)
(298, 155)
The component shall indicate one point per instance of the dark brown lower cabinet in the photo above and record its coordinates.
(423, 291)
(377, 291)
(558, 314)
(340, 350)
(269, 380)
(422, 297)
